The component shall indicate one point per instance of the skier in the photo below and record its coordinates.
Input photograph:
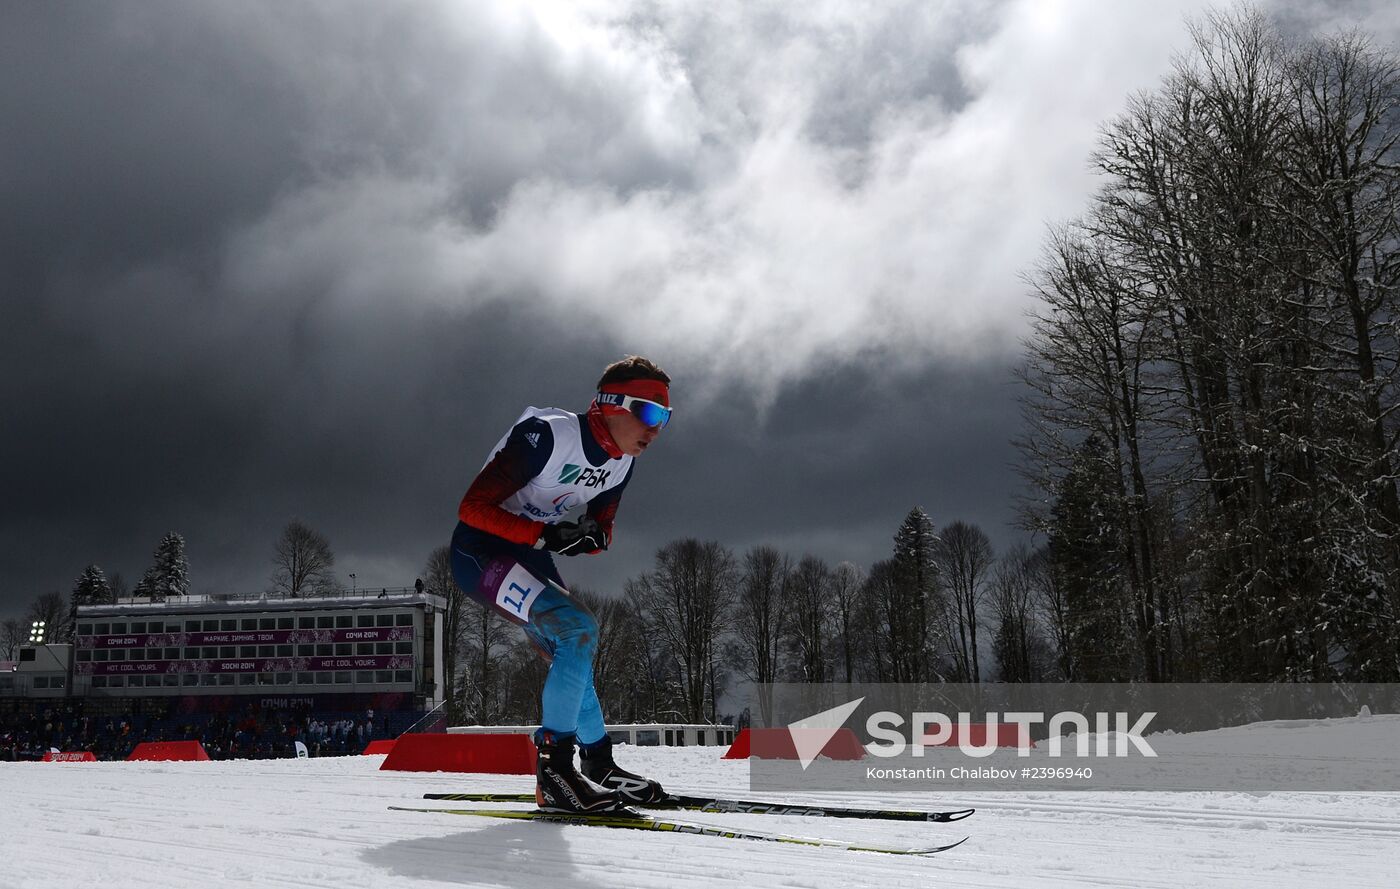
(552, 486)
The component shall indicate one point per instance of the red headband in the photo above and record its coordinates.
(651, 390)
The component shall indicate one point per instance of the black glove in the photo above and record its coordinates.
(572, 538)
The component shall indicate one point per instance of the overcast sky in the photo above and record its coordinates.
(266, 260)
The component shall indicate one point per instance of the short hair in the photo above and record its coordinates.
(633, 367)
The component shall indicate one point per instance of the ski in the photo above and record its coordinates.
(620, 821)
(748, 807)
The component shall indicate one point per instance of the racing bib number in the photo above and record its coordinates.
(518, 591)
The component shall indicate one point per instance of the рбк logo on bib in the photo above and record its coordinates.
(569, 474)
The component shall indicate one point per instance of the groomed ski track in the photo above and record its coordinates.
(326, 823)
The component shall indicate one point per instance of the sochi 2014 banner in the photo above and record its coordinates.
(248, 637)
(246, 665)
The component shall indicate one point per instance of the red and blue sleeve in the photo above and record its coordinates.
(603, 508)
(520, 459)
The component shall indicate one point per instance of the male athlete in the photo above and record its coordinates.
(552, 485)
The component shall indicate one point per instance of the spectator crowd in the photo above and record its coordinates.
(246, 731)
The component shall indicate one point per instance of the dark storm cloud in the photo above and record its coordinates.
(264, 260)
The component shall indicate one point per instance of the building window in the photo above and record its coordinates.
(191, 654)
(285, 623)
(365, 620)
(247, 651)
(306, 679)
(103, 629)
(228, 651)
(84, 629)
(403, 620)
(210, 652)
(324, 679)
(364, 677)
(116, 681)
(172, 628)
(100, 655)
(267, 623)
(117, 654)
(228, 625)
(284, 678)
(306, 623)
(265, 650)
(383, 648)
(325, 622)
(153, 680)
(364, 648)
(306, 650)
(247, 678)
(226, 679)
(211, 626)
(342, 678)
(250, 623)
(208, 679)
(324, 649)
(97, 682)
(383, 675)
(138, 627)
(191, 626)
(171, 680)
(404, 647)
(343, 621)
(384, 620)
(403, 675)
(342, 649)
(84, 654)
(41, 682)
(189, 679)
(172, 654)
(284, 651)
(119, 629)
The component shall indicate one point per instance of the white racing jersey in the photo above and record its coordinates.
(564, 479)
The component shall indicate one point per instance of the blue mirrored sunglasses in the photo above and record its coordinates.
(649, 412)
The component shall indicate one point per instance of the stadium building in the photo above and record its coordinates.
(340, 652)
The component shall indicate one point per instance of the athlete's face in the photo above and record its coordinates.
(631, 435)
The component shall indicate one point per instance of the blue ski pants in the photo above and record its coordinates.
(523, 586)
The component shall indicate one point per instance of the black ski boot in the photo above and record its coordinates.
(598, 767)
(560, 788)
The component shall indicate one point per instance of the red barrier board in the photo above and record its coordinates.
(382, 746)
(487, 753)
(79, 756)
(168, 751)
(776, 743)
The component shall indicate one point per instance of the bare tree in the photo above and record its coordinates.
(686, 602)
(303, 562)
(761, 618)
(882, 622)
(13, 634)
(965, 555)
(1021, 651)
(811, 607)
(846, 582)
(53, 609)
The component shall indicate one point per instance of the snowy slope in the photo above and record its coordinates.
(324, 823)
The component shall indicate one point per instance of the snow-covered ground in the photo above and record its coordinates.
(325, 823)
